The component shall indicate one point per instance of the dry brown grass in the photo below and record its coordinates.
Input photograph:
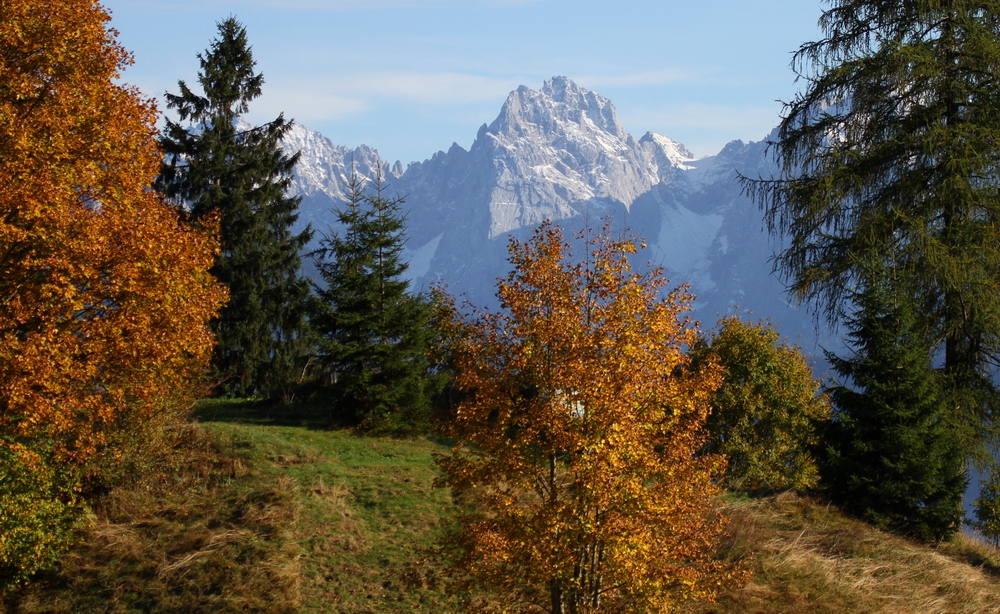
(203, 536)
(807, 557)
(281, 521)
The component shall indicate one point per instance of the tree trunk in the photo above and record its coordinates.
(556, 594)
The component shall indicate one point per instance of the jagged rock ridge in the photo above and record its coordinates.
(560, 153)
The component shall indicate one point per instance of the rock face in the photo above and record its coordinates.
(323, 171)
(561, 154)
(555, 152)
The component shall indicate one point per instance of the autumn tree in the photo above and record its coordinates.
(374, 334)
(105, 295)
(766, 414)
(579, 429)
(893, 148)
(216, 164)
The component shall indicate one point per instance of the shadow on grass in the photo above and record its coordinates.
(204, 533)
(311, 414)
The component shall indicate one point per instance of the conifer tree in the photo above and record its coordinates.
(892, 454)
(218, 165)
(374, 336)
(895, 145)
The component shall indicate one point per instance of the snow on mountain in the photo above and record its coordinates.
(560, 154)
(324, 169)
(555, 152)
(670, 157)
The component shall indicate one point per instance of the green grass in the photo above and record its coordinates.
(262, 510)
(267, 510)
(370, 515)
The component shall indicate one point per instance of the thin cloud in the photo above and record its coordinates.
(322, 5)
(651, 77)
(731, 119)
(308, 104)
(513, 2)
(431, 87)
(703, 129)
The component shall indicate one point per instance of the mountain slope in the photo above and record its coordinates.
(560, 153)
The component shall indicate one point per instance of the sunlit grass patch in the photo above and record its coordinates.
(806, 556)
(370, 516)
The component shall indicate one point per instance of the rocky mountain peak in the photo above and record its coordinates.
(561, 104)
(554, 153)
(671, 152)
(560, 154)
(589, 105)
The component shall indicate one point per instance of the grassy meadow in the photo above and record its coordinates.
(276, 514)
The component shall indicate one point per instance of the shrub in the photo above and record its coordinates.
(38, 514)
(765, 415)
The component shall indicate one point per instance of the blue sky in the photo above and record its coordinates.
(409, 77)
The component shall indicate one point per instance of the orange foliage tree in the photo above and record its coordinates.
(104, 295)
(579, 429)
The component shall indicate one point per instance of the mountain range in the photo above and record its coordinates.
(561, 154)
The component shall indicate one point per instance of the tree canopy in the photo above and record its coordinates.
(104, 294)
(579, 434)
(218, 165)
(890, 156)
(766, 415)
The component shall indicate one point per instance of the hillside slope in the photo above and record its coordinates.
(274, 516)
(806, 556)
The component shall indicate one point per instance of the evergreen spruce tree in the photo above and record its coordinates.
(895, 143)
(217, 165)
(374, 336)
(892, 454)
